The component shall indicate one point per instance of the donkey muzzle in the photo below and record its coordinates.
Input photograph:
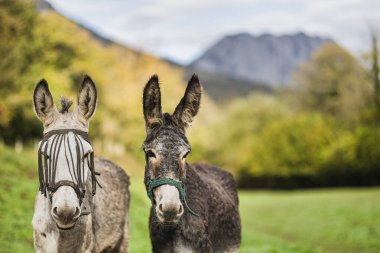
(65, 209)
(169, 207)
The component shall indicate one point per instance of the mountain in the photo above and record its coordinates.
(265, 59)
(43, 5)
(223, 88)
(224, 79)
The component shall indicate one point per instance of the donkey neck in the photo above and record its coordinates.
(77, 239)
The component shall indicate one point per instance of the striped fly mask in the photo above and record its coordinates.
(64, 159)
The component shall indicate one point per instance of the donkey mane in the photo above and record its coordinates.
(166, 121)
(65, 104)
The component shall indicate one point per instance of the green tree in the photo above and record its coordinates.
(333, 82)
(17, 22)
(375, 70)
(28, 49)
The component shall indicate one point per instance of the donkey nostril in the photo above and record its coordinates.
(55, 211)
(180, 211)
(77, 212)
(160, 208)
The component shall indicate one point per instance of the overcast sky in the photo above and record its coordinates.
(182, 29)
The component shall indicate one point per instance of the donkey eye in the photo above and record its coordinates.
(150, 154)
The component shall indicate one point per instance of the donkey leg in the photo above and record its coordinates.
(124, 242)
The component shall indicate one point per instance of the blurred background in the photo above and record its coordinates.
(290, 106)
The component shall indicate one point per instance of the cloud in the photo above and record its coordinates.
(182, 29)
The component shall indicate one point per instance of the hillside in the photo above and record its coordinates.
(120, 74)
(224, 89)
(265, 59)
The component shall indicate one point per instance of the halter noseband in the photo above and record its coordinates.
(47, 163)
(154, 183)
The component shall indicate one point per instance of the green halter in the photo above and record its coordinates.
(177, 184)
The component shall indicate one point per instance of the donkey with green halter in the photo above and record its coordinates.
(83, 201)
(194, 207)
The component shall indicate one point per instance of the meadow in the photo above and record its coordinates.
(322, 131)
(308, 221)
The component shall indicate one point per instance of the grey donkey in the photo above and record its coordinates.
(194, 207)
(70, 214)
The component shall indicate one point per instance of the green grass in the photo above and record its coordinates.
(18, 185)
(139, 213)
(318, 221)
(333, 220)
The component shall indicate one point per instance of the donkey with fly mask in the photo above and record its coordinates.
(72, 213)
(194, 207)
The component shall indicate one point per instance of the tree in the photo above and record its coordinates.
(17, 20)
(375, 70)
(28, 48)
(16, 31)
(333, 82)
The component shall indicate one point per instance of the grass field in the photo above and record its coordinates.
(334, 220)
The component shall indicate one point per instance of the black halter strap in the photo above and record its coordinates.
(48, 160)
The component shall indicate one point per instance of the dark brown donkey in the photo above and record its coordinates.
(194, 207)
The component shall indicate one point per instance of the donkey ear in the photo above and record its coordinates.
(43, 101)
(152, 102)
(189, 105)
(87, 97)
